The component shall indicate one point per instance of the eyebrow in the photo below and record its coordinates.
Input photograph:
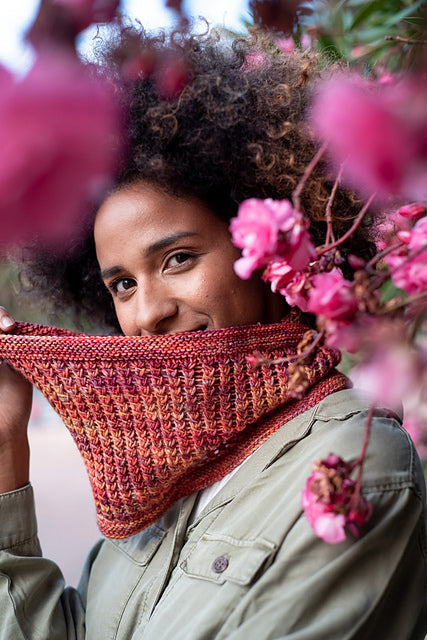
(153, 248)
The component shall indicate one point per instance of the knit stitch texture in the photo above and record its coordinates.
(157, 418)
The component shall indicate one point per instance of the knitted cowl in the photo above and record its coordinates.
(157, 418)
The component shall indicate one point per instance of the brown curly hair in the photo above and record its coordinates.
(237, 130)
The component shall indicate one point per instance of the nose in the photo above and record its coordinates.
(156, 310)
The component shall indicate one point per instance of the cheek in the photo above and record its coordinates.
(235, 301)
(126, 321)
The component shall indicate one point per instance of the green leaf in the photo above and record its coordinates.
(401, 15)
(328, 46)
(371, 36)
(389, 291)
(367, 10)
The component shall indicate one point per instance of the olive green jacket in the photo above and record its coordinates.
(249, 567)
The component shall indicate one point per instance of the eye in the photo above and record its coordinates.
(120, 286)
(177, 259)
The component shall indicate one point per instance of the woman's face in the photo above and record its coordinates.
(168, 263)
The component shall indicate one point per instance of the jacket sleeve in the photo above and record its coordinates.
(34, 603)
(372, 587)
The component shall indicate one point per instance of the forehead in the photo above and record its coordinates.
(148, 212)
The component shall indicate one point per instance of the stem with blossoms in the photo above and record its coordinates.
(376, 314)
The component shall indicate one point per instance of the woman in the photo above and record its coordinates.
(237, 559)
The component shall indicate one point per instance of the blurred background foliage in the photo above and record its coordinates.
(376, 36)
(389, 33)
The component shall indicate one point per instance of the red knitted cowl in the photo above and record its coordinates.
(157, 418)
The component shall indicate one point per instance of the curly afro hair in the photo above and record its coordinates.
(237, 130)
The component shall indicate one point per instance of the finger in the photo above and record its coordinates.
(6, 321)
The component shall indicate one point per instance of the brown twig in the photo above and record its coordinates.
(359, 462)
(352, 229)
(403, 303)
(404, 40)
(330, 237)
(381, 254)
(307, 173)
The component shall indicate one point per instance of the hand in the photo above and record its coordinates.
(15, 409)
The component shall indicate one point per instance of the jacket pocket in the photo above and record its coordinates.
(223, 558)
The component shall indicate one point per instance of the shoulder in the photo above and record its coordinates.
(339, 426)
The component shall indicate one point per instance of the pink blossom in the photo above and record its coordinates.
(413, 211)
(58, 143)
(291, 284)
(408, 265)
(331, 500)
(326, 524)
(244, 267)
(305, 41)
(285, 44)
(171, 76)
(378, 131)
(418, 238)
(332, 296)
(280, 274)
(268, 230)
(409, 273)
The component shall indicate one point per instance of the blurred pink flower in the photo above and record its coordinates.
(285, 44)
(418, 239)
(86, 12)
(171, 75)
(409, 273)
(58, 144)
(417, 429)
(331, 501)
(413, 211)
(387, 227)
(409, 270)
(378, 131)
(389, 375)
(347, 336)
(332, 297)
(270, 230)
(59, 22)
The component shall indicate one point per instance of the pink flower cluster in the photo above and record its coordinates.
(332, 296)
(408, 265)
(293, 285)
(332, 500)
(378, 131)
(59, 131)
(269, 230)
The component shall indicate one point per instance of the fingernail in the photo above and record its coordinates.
(7, 322)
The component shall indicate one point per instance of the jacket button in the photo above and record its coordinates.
(220, 564)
